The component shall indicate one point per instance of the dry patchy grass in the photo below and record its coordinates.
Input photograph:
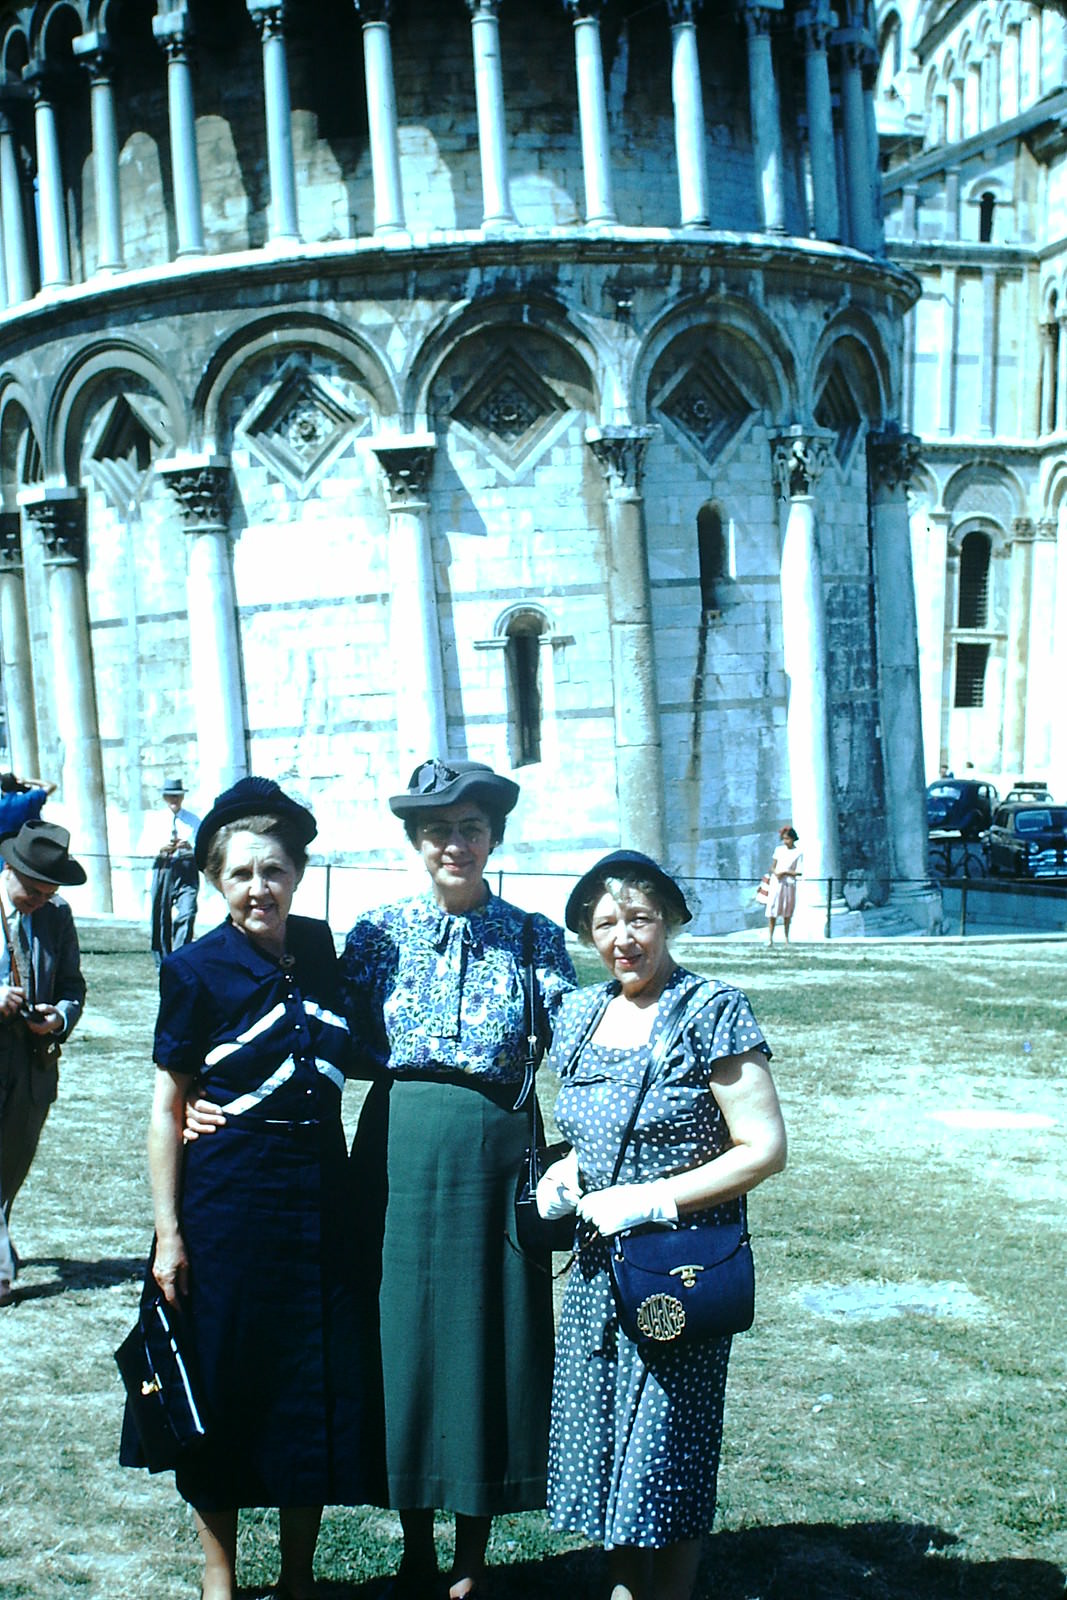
(916, 1455)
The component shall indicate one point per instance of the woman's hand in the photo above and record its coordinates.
(559, 1188)
(170, 1268)
(201, 1116)
(628, 1205)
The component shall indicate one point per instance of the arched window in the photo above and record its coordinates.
(714, 557)
(986, 207)
(522, 655)
(974, 581)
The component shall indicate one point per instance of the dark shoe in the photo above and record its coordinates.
(413, 1583)
(7, 1293)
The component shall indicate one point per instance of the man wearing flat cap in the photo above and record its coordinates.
(175, 879)
(42, 992)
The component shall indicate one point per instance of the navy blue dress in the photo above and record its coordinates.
(286, 1343)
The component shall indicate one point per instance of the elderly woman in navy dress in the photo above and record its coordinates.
(434, 989)
(252, 1232)
(636, 1431)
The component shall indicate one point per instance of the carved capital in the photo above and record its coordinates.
(484, 8)
(203, 488)
(893, 458)
(683, 11)
(42, 82)
(800, 457)
(94, 52)
(1023, 530)
(583, 8)
(174, 35)
(407, 465)
(1046, 529)
(373, 10)
(621, 454)
(756, 20)
(268, 18)
(10, 541)
(813, 34)
(59, 517)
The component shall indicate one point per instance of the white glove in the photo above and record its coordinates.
(627, 1205)
(558, 1189)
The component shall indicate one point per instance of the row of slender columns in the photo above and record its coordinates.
(174, 32)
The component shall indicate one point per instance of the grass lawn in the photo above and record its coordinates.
(896, 1420)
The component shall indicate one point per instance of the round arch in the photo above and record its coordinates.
(985, 488)
(280, 336)
(853, 340)
(501, 314)
(767, 361)
(96, 366)
(17, 420)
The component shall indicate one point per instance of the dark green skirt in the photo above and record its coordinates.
(466, 1321)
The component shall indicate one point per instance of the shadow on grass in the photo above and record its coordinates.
(103, 1274)
(793, 1561)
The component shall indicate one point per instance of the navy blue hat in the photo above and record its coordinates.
(626, 864)
(435, 784)
(253, 797)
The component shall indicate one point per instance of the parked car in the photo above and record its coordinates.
(1027, 790)
(959, 805)
(1028, 841)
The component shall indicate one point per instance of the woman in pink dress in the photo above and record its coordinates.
(785, 869)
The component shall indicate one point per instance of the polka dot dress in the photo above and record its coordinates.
(635, 1436)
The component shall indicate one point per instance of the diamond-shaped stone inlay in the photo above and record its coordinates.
(125, 438)
(707, 405)
(510, 406)
(299, 425)
(837, 409)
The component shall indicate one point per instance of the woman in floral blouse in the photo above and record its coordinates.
(435, 998)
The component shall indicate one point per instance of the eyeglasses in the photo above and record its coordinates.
(439, 833)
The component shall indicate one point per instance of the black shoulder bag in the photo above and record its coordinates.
(693, 1280)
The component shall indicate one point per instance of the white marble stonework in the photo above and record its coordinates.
(416, 381)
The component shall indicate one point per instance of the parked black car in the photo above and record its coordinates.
(1028, 841)
(959, 805)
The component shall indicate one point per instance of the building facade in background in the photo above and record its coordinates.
(515, 382)
(972, 115)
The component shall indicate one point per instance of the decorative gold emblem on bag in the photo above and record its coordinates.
(660, 1317)
(151, 1386)
(688, 1274)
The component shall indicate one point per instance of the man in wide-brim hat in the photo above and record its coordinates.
(175, 878)
(42, 992)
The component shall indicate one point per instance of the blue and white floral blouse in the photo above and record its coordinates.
(428, 991)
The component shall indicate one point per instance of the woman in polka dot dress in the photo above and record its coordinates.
(635, 1437)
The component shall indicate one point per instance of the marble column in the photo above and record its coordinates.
(620, 452)
(1057, 770)
(15, 651)
(801, 455)
(269, 19)
(764, 116)
(16, 248)
(892, 459)
(690, 141)
(813, 30)
(58, 517)
(54, 244)
(414, 624)
(489, 99)
(1043, 691)
(869, 79)
(1021, 576)
(174, 32)
(946, 357)
(381, 116)
(592, 111)
(929, 555)
(987, 370)
(1048, 379)
(1060, 418)
(857, 156)
(93, 50)
(202, 487)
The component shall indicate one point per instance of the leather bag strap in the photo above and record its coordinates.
(658, 1055)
